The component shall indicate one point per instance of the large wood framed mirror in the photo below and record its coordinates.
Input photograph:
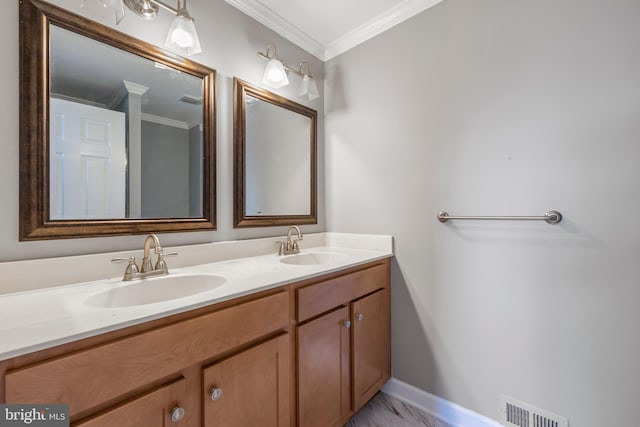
(117, 136)
(274, 159)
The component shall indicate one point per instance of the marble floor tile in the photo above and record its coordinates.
(386, 411)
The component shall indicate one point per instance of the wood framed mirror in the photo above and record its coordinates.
(117, 136)
(275, 169)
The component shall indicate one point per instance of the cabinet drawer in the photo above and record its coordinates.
(318, 298)
(153, 409)
(93, 376)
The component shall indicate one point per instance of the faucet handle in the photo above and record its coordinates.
(281, 246)
(132, 267)
(161, 264)
(131, 260)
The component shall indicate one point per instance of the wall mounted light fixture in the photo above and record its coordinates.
(275, 74)
(182, 37)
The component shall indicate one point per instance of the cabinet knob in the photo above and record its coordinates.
(216, 393)
(177, 414)
(347, 324)
(359, 316)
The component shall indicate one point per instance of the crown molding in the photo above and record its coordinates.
(277, 23)
(164, 121)
(135, 88)
(377, 25)
(78, 100)
(381, 23)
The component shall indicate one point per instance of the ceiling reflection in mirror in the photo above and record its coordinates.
(126, 136)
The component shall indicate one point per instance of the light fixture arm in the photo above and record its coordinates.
(180, 9)
(302, 73)
(166, 6)
(275, 51)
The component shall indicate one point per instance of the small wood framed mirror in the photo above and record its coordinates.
(117, 136)
(275, 172)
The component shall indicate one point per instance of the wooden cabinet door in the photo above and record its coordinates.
(153, 409)
(324, 373)
(371, 346)
(251, 388)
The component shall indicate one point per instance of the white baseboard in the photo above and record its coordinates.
(440, 408)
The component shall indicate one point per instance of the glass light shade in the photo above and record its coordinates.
(116, 5)
(183, 37)
(275, 75)
(308, 88)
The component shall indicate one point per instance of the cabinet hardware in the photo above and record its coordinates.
(177, 414)
(216, 393)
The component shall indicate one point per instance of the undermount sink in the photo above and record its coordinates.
(312, 258)
(156, 289)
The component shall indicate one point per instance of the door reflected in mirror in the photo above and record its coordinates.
(275, 159)
(125, 134)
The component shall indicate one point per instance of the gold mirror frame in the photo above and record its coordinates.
(35, 222)
(241, 220)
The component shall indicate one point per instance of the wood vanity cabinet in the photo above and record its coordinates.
(154, 374)
(308, 354)
(343, 345)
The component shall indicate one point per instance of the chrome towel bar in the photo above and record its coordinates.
(551, 217)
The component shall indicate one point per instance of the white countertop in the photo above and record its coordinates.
(43, 318)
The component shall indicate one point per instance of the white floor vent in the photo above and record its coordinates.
(514, 413)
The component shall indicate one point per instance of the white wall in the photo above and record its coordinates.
(501, 107)
(230, 41)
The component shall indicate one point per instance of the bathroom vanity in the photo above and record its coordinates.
(254, 339)
(307, 349)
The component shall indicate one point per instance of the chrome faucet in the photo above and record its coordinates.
(132, 272)
(288, 247)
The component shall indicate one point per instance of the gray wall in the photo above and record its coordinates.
(165, 171)
(230, 41)
(501, 107)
